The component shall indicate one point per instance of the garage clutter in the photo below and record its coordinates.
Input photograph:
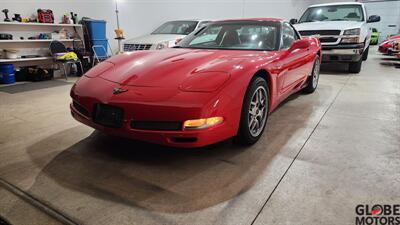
(25, 41)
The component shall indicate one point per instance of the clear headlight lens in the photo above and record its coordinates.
(355, 31)
(202, 123)
(162, 45)
(350, 39)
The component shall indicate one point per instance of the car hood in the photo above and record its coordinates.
(328, 25)
(187, 69)
(154, 38)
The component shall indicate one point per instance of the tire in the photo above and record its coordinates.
(355, 67)
(365, 54)
(252, 122)
(312, 81)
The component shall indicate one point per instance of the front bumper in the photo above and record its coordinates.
(141, 104)
(181, 139)
(342, 53)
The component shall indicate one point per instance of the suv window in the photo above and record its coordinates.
(288, 36)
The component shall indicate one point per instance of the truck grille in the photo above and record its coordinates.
(328, 39)
(319, 32)
(136, 47)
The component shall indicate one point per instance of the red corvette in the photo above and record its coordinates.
(219, 82)
(386, 47)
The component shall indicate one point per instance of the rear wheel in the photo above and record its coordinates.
(254, 112)
(312, 81)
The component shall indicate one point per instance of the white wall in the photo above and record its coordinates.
(138, 17)
(390, 17)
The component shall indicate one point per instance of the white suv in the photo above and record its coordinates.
(343, 31)
(165, 36)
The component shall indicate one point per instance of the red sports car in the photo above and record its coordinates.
(221, 81)
(386, 47)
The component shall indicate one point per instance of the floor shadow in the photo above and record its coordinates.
(32, 86)
(159, 178)
(335, 69)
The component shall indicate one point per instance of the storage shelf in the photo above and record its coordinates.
(39, 24)
(25, 59)
(37, 40)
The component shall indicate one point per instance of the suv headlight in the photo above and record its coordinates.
(162, 45)
(355, 31)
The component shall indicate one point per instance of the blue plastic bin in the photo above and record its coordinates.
(96, 28)
(7, 74)
(100, 52)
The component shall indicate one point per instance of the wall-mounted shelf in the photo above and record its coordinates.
(37, 40)
(39, 24)
(25, 59)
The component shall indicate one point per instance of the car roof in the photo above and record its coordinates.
(251, 19)
(336, 3)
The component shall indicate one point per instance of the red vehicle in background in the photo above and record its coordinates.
(220, 81)
(387, 46)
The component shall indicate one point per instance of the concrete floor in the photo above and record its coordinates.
(321, 155)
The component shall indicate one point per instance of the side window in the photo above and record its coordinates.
(288, 36)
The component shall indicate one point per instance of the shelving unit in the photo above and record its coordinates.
(38, 47)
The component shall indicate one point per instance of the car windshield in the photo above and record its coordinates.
(252, 35)
(176, 27)
(333, 13)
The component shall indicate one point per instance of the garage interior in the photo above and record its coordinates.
(320, 156)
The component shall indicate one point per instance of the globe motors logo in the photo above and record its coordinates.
(378, 214)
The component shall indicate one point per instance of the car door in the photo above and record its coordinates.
(294, 61)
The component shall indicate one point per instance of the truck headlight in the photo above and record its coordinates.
(355, 31)
(350, 39)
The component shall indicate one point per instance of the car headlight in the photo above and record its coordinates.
(355, 31)
(162, 45)
(202, 123)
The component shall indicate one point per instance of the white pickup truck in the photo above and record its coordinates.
(342, 29)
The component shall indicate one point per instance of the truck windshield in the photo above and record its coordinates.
(333, 13)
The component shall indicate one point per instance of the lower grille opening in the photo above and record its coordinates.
(184, 139)
(108, 115)
(156, 125)
(80, 109)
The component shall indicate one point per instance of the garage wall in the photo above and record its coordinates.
(390, 17)
(138, 17)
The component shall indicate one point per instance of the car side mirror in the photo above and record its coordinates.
(374, 19)
(293, 21)
(300, 44)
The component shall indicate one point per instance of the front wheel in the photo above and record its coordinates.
(254, 112)
(365, 54)
(313, 79)
(355, 67)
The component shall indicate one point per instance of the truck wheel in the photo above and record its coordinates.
(355, 67)
(365, 54)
